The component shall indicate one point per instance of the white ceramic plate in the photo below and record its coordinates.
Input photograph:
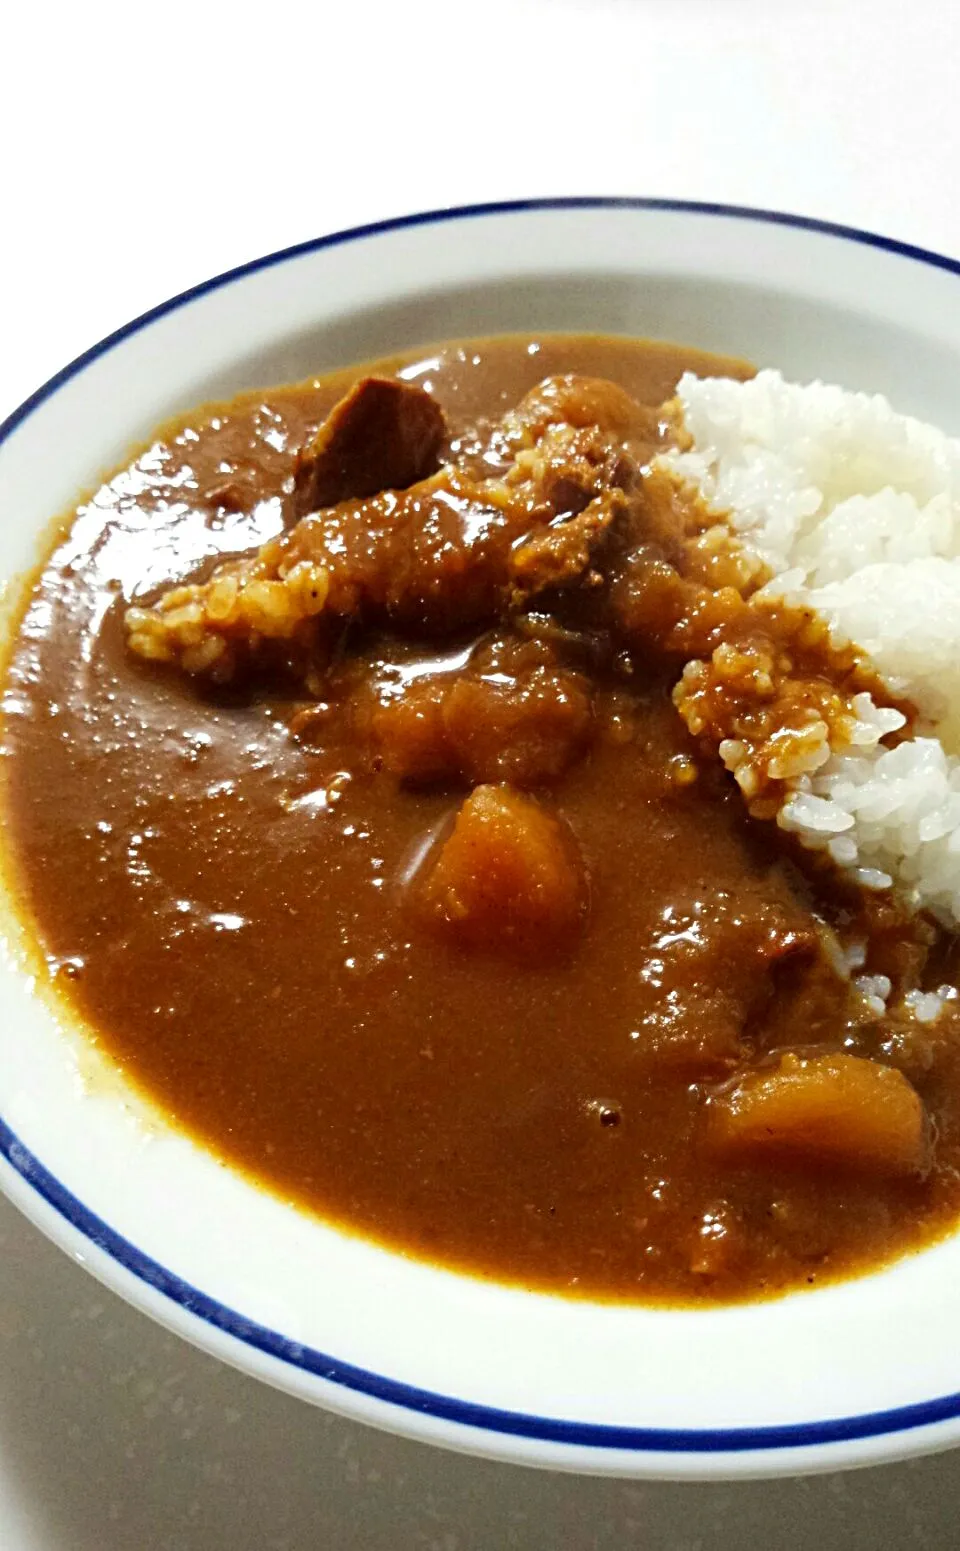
(865, 1371)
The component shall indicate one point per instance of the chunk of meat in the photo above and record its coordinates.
(382, 435)
(563, 552)
(512, 714)
(649, 596)
(595, 420)
(579, 401)
(432, 559)
(715, 966)
(838, 1110)
(509, 876)
(437, 557)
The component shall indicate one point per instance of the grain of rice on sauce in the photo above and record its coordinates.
(855, 510)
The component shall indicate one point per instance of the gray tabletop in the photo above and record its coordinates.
(115, 1436)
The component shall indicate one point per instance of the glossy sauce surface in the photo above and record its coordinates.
(231, 907)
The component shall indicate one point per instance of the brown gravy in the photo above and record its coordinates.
(231, 910)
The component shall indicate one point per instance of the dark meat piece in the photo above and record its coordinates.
(563, 552)
(383, 435)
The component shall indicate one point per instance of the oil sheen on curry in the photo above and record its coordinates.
(361, 798)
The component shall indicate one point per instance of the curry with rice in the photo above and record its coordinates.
(361, 786)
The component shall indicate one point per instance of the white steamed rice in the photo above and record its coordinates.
(856, 511)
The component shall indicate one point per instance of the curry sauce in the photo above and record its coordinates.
(414, 888)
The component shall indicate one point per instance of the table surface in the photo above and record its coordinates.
(146, 148)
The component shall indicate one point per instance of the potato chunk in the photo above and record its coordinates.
(508, 875)
(833, 1109)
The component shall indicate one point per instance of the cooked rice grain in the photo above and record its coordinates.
(855, 509)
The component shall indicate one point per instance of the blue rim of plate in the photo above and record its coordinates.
(596, 1435)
